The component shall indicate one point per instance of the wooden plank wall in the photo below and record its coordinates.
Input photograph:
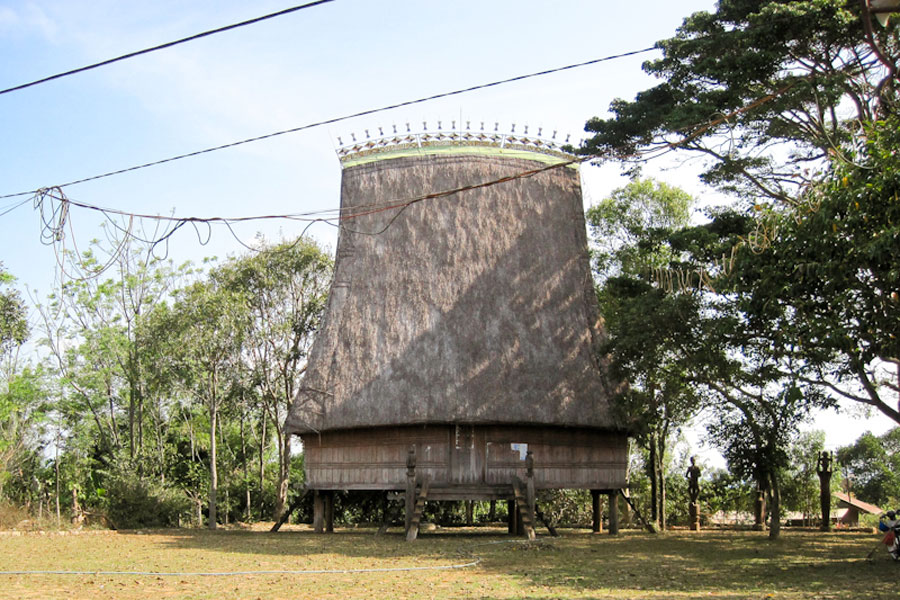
(450, 455)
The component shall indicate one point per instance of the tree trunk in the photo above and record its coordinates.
(775, 519)
(246, 469)
(56, 468)
(262, 464)
(660, 453)
(654, 482)
(284, 473)
(213, 474)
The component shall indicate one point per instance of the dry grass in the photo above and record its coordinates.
(711, 564)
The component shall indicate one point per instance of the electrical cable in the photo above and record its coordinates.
(342, 118)
(166, 45)
(56, 204)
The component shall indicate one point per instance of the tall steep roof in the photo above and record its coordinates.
(476, 307)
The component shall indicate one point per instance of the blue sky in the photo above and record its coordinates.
(315, 64)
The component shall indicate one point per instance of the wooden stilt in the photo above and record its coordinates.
(614, 512)
(318, 511)
(596, 511)
(410, 498)
(329, 511)
(512, 524)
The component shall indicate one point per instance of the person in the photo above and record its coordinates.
(693, 477)
(889, 523)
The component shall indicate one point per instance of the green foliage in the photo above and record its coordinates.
(566, 507)
(625, 226)
(872, 466)
(750, 76)
(133, 503)
(800, 482)
(823, 275)
(644, 324)
(13, 322)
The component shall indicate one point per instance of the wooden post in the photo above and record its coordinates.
(596, 511)
(410, 486)
(613, 513)
(318, 511)
(329, 511)
(513, 526)
(529, 482)
(470, 512)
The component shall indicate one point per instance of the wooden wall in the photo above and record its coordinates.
(465, 456)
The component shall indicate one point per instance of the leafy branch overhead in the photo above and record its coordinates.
(827, 68)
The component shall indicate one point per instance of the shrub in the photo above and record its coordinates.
(134, 503)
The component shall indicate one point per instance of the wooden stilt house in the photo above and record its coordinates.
(457, 356)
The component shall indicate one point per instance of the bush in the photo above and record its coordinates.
(11, 515)
(134, 503)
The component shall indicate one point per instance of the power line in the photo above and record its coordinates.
(343, 118)
(166, 45)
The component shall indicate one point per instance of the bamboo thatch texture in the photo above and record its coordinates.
(475, 308)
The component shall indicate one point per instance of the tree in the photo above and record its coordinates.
(872, 464)
(201, 336)
(826, 276)
(762, 89)
(800, 483)
(24, 405)
(627, 230)
(13, 321)
(285, 288)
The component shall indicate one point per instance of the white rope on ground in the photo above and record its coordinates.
(475, 562)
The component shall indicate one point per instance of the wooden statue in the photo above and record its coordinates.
(693, 477)
(824, 468)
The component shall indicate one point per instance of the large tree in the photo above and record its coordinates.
(765, 90)
(792, 104)
(825, 279)
(199, 340)
(627, 229)
(284, 287)
(871, 466)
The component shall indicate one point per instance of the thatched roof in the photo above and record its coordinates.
(473, 308)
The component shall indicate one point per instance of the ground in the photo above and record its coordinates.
(709, 564)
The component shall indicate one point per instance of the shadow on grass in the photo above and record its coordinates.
(711, 564)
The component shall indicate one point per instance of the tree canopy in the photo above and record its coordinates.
(764, 90)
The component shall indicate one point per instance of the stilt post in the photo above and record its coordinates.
(596, 512)
(318, 511)
(614, 512)
(410, 486)
(329, 511)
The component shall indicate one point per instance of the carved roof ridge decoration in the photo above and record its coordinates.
(371, 146)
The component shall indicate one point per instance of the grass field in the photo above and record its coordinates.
(709, 564)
